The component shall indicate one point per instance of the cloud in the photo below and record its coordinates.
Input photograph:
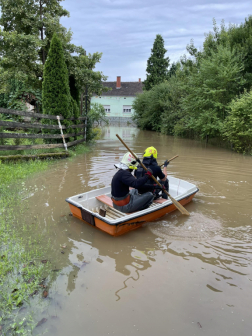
(221, 7)
(124, 30)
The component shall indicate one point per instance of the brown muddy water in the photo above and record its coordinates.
(176, 276)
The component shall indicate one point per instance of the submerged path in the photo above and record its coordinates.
(177, 276)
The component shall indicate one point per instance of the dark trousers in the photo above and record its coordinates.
(166, 185)
(137, 202)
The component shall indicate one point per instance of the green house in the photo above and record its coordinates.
(118, 100)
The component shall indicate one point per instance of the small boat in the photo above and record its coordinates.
(96, 208)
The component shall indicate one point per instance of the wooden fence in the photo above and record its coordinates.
(39, 126)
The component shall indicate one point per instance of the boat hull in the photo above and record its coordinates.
(127, 225)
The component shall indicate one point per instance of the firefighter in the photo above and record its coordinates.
(150, 161)
(126, 200)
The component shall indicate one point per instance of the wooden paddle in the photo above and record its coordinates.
(174, 157)
(176, 203)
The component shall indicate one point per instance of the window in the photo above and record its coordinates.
(127, 108)
(107, 108)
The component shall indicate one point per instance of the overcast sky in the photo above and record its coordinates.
(124, 30)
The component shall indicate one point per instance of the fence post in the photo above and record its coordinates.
(75, 122)
(63, 138)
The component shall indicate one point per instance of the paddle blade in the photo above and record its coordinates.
(179, 206)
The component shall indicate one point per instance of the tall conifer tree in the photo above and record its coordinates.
(55, 89)
(157, 64)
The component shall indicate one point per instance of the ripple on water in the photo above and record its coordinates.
(197, 226)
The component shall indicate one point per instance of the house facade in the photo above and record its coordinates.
(119, 99)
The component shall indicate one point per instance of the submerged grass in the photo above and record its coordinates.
(22, 270)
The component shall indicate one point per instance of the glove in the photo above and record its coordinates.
(155, 187)
(149, 172)
(166, 163)
(138, 160)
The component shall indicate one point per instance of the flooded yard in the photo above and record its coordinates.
(177, 276)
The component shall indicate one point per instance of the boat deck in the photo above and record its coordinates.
(110, 212)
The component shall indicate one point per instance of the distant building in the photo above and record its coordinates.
(118, 101)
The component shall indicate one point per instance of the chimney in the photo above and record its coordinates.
(139, 80)
(118, 82)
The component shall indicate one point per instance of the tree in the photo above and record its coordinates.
(39, 18)
(28, 27)
(172, 70)
(141, 106)
(209, 89)
(157, 64)
(238, 125)
(56, 95)
(239, 38)
(205, 98)
(157, 109)
(87, 81)
(97, 113)
(75, 92)
(19, 59)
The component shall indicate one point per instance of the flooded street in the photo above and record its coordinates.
(177, 276)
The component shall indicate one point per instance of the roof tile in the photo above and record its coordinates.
(127, 89)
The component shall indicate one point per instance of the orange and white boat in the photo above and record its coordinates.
(96, 208)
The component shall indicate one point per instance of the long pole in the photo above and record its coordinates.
(174, 157)
(176, 203)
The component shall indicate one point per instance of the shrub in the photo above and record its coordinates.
(238, 125)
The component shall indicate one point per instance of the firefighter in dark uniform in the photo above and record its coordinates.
(150, 161)
(126, 200)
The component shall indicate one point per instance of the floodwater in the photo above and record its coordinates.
(176, 276)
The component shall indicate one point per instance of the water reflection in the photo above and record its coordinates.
(130, 257)
(137, 252)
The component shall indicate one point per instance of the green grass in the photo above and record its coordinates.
(32, 151)
(17, 172)
(96, 133)
(21, 269)
(74, 150)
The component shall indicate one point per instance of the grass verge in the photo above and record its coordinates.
(22, 268)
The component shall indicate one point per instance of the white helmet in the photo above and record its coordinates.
(128, 162)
